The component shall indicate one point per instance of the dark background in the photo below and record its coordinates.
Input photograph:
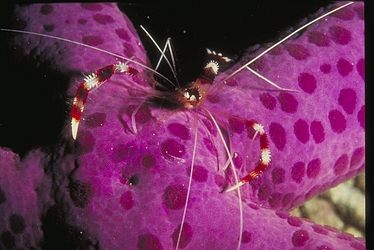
(224, 27)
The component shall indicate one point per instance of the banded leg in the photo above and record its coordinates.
(91, 82)
(264, 159)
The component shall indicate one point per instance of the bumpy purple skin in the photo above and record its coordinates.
(316, 139)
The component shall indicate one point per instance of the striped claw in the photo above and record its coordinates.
(90, 82)
(264, 160)
(78, 107)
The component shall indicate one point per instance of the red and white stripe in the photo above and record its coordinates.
(92, 81)
(264, 159)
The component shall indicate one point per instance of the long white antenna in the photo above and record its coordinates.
(196, 121)
(235, 176)
(282, 40)
(91, 47)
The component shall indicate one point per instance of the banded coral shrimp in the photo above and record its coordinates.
(187, 230)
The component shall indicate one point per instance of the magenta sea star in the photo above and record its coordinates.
(76, 194)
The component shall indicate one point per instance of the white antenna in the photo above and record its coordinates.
(284, 39)
(91, 47)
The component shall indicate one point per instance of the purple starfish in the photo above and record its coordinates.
(114, 189)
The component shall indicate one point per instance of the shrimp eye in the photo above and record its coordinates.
(192, 94)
